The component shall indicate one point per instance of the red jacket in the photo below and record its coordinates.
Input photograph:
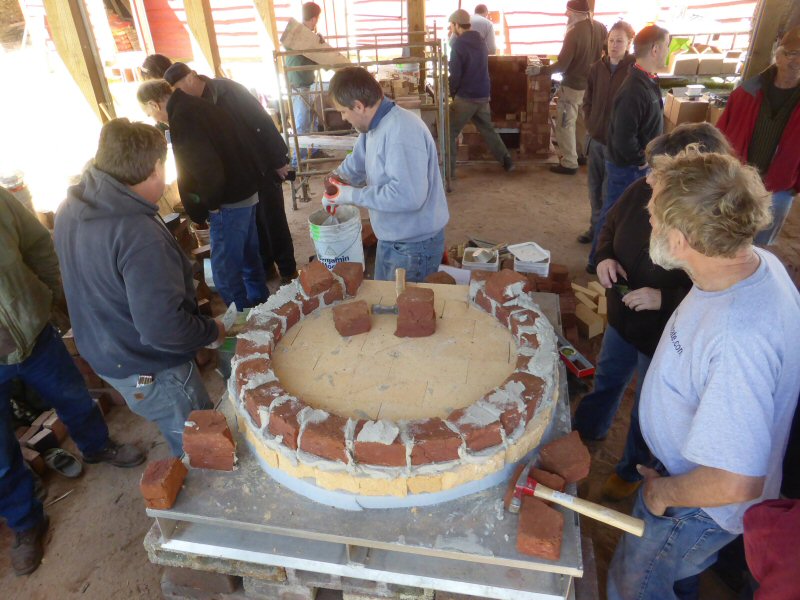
(738, 122)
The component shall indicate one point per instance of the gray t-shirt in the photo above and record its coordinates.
(723, 384)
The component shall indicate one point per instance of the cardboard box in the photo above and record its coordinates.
(684, 62)
(711, 59)
(714, 113)
(732, 62)
(680, 109)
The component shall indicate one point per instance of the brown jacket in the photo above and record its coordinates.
(583, 45)
(600, 91)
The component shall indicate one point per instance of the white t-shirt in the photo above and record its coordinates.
(723, 384)
(486, 28)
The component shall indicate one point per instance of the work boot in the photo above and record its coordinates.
(119, 455)
(585, 237)
(616, 488)
(28, 548)
(508, 164)
(287, 279)
(562, 170)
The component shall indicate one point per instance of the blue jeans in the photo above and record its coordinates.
(419, 259)
(615, 367)
(52, 373)
(617, 181)
(664, 562)
(596, 164)
(235, 257)
(781, 205)
(174, 393)
(306, 120)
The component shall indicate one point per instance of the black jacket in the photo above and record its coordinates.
(601, 89)
(128, 285)
(213, 166)
(469, 67)
(637, 117)
(625, 237)
(255, 128)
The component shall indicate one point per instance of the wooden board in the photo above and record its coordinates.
(380, 376)
(299, 37)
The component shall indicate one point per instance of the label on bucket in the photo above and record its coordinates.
(337, 243)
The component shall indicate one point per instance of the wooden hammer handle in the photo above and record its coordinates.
(590, 509)
(399, 280)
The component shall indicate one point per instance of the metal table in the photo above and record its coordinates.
(465, 546)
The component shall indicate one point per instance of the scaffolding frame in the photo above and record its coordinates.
(433, 75)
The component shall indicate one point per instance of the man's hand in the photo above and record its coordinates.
(607, 271)
(283, 171)
(221, 334)
(336, 192)
(653, 483)
(643, 299)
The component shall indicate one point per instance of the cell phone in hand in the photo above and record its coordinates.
(621, 287)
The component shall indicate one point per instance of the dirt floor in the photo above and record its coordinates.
(94, 548)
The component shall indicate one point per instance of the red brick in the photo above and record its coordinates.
(335, 294)
(476, 437)
(54, 424)
(416, 315)
(353, 275)
(291, 312)
(497, 286)
(352, 318)
(89, 376)
(548, 479)
(440, 277)
(307, 305)
(540, 529)
(34, 459)
(567, 456)
(522, 318)
(433, 442)
(44, 440)
(531, 340)
(326, 438)
(532, 392)
(283, 421)
(161, 482)
(483, 301)
(246, 347)
(375, 453)
(263, 395)
(69, 342)
(249, 368)
(510, 418)
(271, 325)
(208, 441)
(315, 278)
(559, 272)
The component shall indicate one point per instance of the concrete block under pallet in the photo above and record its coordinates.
(409, 594)
(257, 589)
(181, 583)
(363, 589)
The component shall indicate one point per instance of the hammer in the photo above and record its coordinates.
(528, 486)
(399, 286)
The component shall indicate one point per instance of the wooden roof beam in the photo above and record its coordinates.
(201, 25)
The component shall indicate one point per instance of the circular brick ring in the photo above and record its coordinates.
(386, 458)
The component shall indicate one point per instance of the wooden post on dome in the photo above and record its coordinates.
(415, 9)
(76, 45)
(201, 25)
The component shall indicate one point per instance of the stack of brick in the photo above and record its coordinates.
(103, 394)
(45, 433)
(592, 308)
(520, 103)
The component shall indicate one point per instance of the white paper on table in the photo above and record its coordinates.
(461, 276)
(529, 252)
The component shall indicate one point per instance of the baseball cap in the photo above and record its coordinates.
(460, 17)
(176, 72)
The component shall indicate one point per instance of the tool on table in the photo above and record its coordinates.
(331, 189)
(576, 362)
(399, 287)
(528, 486)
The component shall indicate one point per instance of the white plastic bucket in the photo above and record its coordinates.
(337, 243)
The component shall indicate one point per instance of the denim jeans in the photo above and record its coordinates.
(615, 367)
(235, 257)
(662, 564)
(419, 259)
(174, 393)
(462, 112)
(596, 162)
(617, 181)
(781, 205)
(52, 373)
